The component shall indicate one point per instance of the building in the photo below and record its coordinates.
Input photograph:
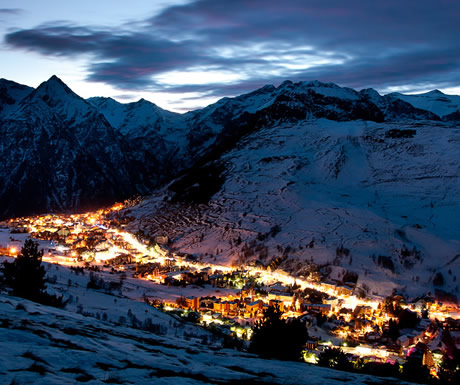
(192, 302)
(253, 307)
(286, 298)
(276, 303)
(322, 308)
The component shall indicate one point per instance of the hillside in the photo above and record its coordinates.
(378, 199)
(96, 344)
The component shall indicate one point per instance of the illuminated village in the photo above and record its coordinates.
(233, 299)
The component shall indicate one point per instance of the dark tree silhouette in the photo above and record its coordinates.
(26, 275)
(334, 358)
(415, 371)
(449, 372)
(277, 338)
(393, 329)
(407, 319)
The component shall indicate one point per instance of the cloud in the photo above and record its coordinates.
(357, 43)
(10, 11)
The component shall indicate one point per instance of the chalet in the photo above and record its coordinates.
(248, 292)
(286, 298)
(254, 307)
(373, 337)
(322, 308)
(344, 290)
(79, 243)
(120, 259)
(162, 240)
(312, 343)
(328, 285)
(192, 302)
(102, 245)
(218, 306)
(70, 239)
(230, 306)
(276, 303)
(404, 341)
(334, 302)
(177, 275)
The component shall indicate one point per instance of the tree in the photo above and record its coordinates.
(415, 371)
(274, 337)
(26, 275)
(334, 358)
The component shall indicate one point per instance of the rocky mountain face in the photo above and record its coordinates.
(62, 152)
(11, 94)
(59, 152)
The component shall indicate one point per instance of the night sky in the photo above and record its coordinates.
(183, 54)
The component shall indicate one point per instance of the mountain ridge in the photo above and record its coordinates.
(135, 147)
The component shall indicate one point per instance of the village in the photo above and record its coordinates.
(233, 299)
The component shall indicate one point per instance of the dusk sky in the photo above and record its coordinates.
(183, 54)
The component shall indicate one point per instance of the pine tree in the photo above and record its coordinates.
(26, 275)
(334, 358)
(277, 338)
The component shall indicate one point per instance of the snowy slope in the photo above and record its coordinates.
(434, 101)
(328, 184)
(87, 343)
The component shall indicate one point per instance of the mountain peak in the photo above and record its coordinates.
(54, 84)
(55, 92)
(435, 92)
(55, 95)
(54, 78)
(143, 101)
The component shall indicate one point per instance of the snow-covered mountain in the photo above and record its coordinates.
(58, 152)
(378, 197)
(63, 152)
(154, 138)
(445, 106)
(223, 123)
(11, 94)
(141, 118)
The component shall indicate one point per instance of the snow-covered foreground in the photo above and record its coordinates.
(90, 342)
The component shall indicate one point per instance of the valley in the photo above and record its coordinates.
(231, 299)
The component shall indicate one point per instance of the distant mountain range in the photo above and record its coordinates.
(61, 152)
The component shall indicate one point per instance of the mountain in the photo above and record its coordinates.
(140, 119)
(11, 94)
(58, 153)
(62, 152)
(377, 198)
(222, 124)
(434, 101)
(153, 137)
